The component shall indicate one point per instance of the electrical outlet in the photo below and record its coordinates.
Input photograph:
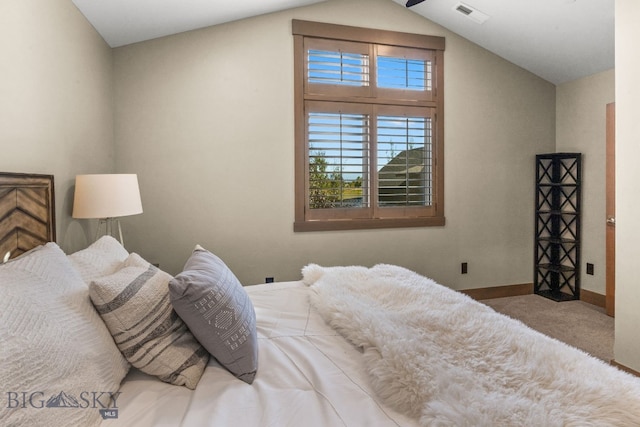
(268, 280)
(463, 268)
(590, 268)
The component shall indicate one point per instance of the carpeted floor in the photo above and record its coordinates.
(576, 323)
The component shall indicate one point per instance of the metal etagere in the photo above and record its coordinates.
(557, 226)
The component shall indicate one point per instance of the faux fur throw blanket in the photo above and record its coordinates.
(448, 360)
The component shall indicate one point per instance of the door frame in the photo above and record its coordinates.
(610, 297)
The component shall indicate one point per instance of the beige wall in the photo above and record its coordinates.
(56, 100)
(627, 344)
(581, 127)
(206, 120)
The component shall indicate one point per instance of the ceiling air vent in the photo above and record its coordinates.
(463, 9)
(474, 14)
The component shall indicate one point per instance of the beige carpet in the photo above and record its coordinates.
(576, 323)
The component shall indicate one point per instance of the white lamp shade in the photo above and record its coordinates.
(106, 196)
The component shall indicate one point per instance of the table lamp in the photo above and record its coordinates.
(107, 197)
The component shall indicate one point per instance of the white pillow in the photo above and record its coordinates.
(102, 257)
(54, 346)
(134, 304)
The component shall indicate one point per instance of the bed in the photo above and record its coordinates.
(344, 346)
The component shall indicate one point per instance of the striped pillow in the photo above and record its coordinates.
(134, 304)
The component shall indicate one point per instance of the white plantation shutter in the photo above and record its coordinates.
(337, 68)
(338, 152)
(341, 68)
(368, 147)
(404, 161)
(402, 73)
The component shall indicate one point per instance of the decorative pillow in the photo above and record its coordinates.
(102, 257)
(218, 311)
(55, 351)
(134, 304)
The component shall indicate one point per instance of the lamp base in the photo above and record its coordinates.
(109, 228)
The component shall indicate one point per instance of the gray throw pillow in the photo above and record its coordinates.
(218, 311)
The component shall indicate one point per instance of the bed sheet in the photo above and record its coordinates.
(307, 375)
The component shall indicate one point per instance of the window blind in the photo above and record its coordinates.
(401, 73)
(341, 68)
(338, 160)
(368, 146)
(404, 161)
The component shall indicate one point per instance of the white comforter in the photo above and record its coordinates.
(308, 376)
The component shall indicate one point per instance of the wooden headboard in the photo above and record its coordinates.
(27, 212)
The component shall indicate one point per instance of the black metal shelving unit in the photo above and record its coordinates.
(558, 226)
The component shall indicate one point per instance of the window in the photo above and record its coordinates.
(369, 128)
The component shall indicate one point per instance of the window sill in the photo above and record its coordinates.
(366, 224)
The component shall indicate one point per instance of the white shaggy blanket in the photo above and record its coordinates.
(450, 361)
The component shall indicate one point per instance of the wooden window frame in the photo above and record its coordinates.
(389, 41)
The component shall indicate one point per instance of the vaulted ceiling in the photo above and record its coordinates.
(558, 40)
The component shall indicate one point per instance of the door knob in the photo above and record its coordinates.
(611, 220)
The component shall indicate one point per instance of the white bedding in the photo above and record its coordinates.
(452, 361)
(416, 342)
(308, 375)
